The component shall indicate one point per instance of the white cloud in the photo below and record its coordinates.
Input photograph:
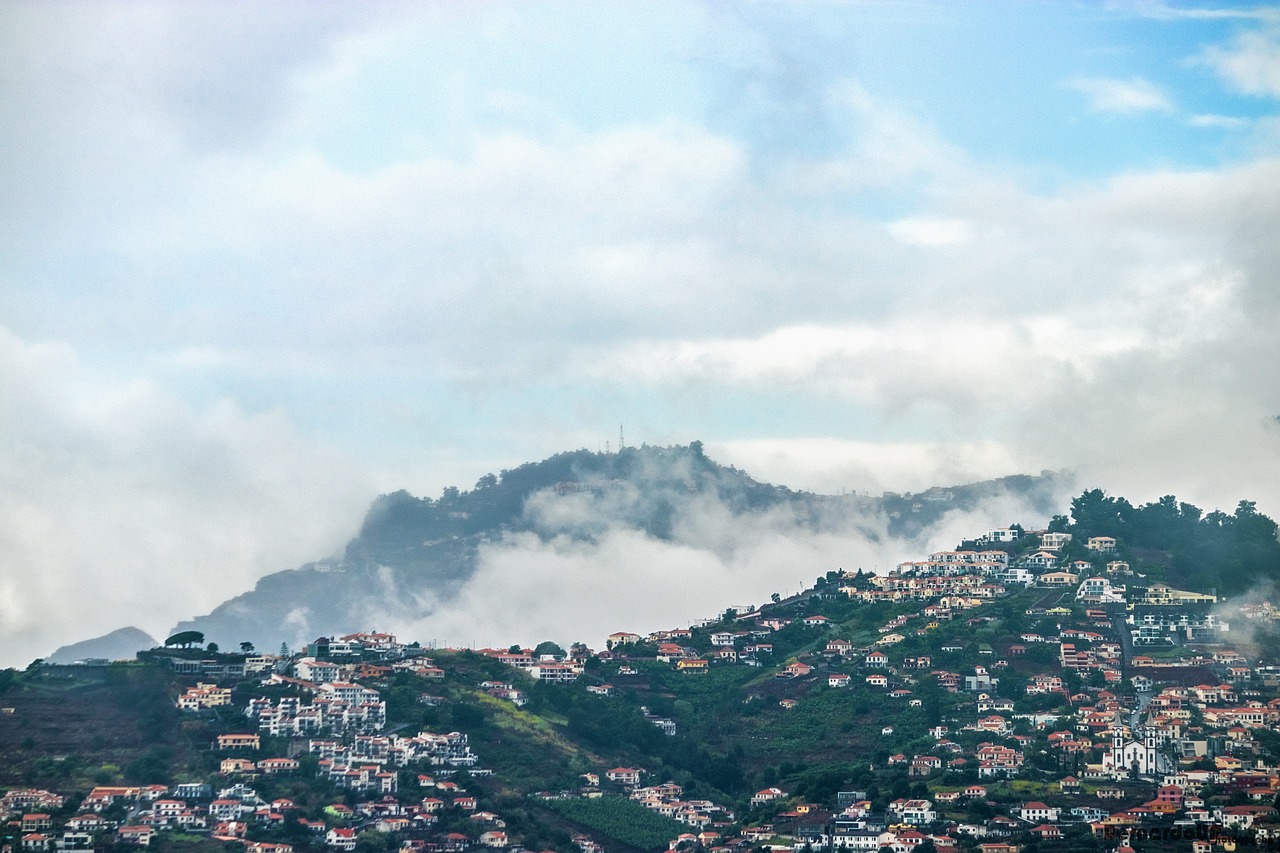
(1092, 331)
(832, 465)
(1036, 309)
(1134, 95)
(1166, 12)
(919, 231)
(119, 504)
(1250, 64)
(528, 589)
(1219, 121)
(884, 147)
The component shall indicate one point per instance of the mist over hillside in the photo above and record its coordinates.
(584, 543)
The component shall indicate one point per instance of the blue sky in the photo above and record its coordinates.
(259, 265)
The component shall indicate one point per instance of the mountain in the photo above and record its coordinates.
(413, 556)
(121, 644)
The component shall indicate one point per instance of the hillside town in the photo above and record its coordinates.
(1025, 688)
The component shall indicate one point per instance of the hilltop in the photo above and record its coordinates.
(120, 644)
(412, 555)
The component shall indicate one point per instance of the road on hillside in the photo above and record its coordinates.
(1117, 612)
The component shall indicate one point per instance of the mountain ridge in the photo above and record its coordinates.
(412, 555)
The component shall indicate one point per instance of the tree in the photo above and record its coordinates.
(1097, 514)
(212, 648)
(466, 717)
(546, 647)
(371, 841)
(246, 647)
(186, 639)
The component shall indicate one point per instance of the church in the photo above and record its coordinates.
(1140, 757)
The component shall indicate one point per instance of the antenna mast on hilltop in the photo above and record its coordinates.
(621, 444)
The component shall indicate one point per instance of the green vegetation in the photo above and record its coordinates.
(620, 819)
(186, 639)
(1179, 542)
(73, 727)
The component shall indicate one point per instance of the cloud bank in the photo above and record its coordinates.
(578, 576)
(122, 505)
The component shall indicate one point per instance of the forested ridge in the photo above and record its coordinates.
(1227, 553)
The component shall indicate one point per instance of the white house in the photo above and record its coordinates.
(1054, 541)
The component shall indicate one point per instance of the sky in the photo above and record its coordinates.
(261, 264)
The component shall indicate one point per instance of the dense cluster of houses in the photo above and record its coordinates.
(336, 718)
(1170, 806)
(1175, 809)
(1176, 743)
(236, 813)
(668, 800)
(1141, 742)
(1130, 745)
(338, 707)
(550, 668)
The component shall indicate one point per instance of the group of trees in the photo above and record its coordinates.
(1207, 550)
(195, 639)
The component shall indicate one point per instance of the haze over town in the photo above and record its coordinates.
(260, 265)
